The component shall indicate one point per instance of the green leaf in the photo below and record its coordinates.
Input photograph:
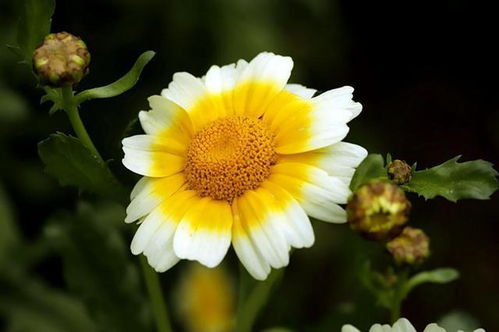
(371, 168)
(30, 306)
(123, 84)
(34, 25)
(55, 96)
(472, 179)
(9, 234)
(99, 268)
(72, 164)
(439, 276)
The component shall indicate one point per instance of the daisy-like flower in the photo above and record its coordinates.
(402, 325)
(239, 156)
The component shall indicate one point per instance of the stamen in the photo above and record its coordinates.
(229, 156)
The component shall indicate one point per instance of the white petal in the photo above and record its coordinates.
(300, 90)
(338, 160)
(261, 225)
(295, 223)
(169, 211)
(260, 82)
(185, 90)
(403, 325)
(349, 328)
(165, 118)
(318, 193)
(434, 328)
(152, 163)
(159, 251)
(151, 192)
(204, 233)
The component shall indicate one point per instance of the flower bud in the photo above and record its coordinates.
(411, 247)
(378, 210)
(62, 59)
(399, 172)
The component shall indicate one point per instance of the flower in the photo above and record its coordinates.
(378, 210)
(62, 59)
(239, 156)
(402, 325)
(411, 247)
(206, 299)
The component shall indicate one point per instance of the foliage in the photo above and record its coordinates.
(475, 179)
(371, 168)
(72, 164)
(452, 180)
(97, 266)
(34, 25)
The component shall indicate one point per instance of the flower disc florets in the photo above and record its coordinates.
(62, 59)
(378, 210)
(229, 156)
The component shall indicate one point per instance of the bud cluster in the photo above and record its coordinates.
(379, 210)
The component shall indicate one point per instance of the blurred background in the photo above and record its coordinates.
(426, 73)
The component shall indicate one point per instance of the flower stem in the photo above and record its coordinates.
(250, 308)
(74, 117)
(150, 277)
(156, 296)
(395, 310)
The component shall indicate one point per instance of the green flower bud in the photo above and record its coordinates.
(62, 59)
(378, 210)
(411, 247)
(399, 172)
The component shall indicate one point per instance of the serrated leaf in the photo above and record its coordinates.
(371, 168)
(452, 180)
(34, 25)
(72, 164)
(98, 267)
(121, 85)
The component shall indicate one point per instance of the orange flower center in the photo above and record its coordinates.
(229, 156)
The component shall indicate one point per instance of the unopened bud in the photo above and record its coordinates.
(62, 59)
(378, 210)
(411, 247)
(399, 172)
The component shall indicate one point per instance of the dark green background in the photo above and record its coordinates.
(426, 73)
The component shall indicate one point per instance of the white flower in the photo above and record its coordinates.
(239, 157)
(402, 325)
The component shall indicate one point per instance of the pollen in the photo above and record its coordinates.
(229, 156)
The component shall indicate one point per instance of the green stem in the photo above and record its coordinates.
(249, 310)
(156, 296)
(395, 310)
(150, 276)
(74, 117)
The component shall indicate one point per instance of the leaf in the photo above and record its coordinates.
(98, 267)
(55, 96)
(30, 306)
(452, 180)
(123, 84)
(439, 276)
(371, 168)
(34, 25)
(9, 234)
(72, 164)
